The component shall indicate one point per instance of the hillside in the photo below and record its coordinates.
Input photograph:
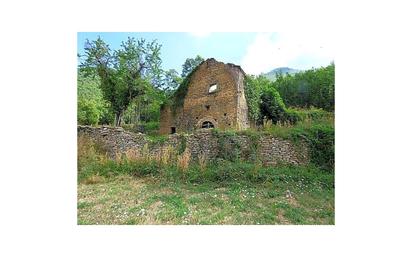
(271, 75)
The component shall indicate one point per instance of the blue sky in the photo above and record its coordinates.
(255, 52)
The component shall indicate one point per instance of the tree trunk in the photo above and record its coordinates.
(118, 119)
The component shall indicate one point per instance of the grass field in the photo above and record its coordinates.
(149, 200)
(137, 188)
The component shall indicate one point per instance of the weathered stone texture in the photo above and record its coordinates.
(274, 150)
(225, 108)
(269, 150)
(113, 139)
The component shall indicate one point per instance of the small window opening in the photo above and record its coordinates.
(207, 124)
(172, 130)
(225, 114)
(212, 88)
(197, 118)
(207, 107)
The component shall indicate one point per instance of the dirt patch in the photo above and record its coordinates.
(292, 201)
(281, 218)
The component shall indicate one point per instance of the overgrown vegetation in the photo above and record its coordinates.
(127, 87)
(314, 87)
(167, 189)
(316, 129)
(93, 160)
(177, 99)
(228, 145)
(298, 107)
(277, 100)
(92, 108)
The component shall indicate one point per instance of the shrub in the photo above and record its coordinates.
(321, 141)
(251, 153)
(228, 145)
(272, 106)
(157, 139)
(182, 144)
(311, 114)
(151, 127)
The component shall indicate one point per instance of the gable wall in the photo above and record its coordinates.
(227, 106)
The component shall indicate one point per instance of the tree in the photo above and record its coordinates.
(265, 102)
(91, 107)
(255, 87)
(272, 106)
(145, 108)
(126, 73)
(171, 81)
(190, 64)
(315, 87)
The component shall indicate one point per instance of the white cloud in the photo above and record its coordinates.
(295, 50)
(200, 34)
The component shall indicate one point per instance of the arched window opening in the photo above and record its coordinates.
(207, 124)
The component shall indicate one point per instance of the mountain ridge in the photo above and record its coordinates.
(271, 75)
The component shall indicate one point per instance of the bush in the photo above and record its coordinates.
(321, 141)
(316, 128)
(151, 127)
(88, 112)
(312, 114)
(272, 106)
(157, 139)
(228, 145)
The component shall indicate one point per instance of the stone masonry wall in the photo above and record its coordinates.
(226, 108)
(270, 150)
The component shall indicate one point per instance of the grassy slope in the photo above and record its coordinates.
(148, 200)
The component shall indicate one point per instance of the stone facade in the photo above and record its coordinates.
(269, 150)
(215, 98)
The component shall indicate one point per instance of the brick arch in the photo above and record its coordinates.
(209, 119)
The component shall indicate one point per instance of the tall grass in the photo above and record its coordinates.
(95, 167)
(316, 128)
(183, 160)
(202, 162)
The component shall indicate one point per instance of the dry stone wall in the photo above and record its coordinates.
(268, 149)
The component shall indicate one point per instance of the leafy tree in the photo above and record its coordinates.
(125, 73)
(171, 81)
(272, 106)
(315, 87)
(91, 107)
(145, 108)
(254, 89)
(190, 64)
(265, 102)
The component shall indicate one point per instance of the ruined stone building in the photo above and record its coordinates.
(213, 96)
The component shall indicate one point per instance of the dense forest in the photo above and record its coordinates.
(126, 87)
